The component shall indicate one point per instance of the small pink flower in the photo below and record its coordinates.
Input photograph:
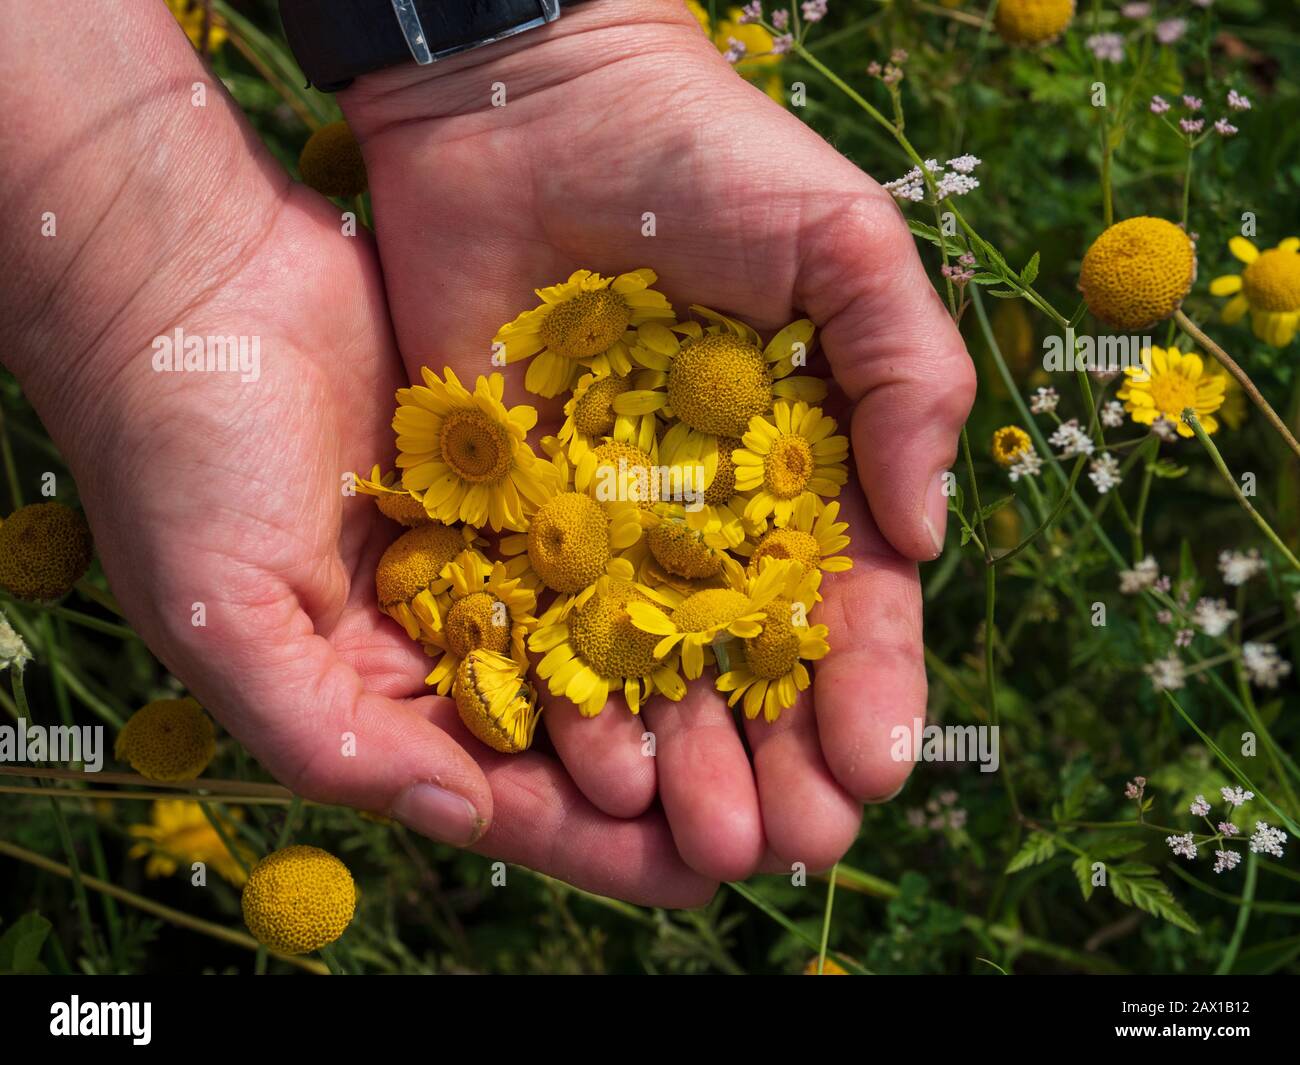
(1224, 128)
(1170, 30)
(1191, 125)
(1193, 103)
(1159, 105)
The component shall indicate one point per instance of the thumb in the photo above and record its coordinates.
(308, 717)
(899, 358)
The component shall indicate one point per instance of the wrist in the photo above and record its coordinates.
(586, 37)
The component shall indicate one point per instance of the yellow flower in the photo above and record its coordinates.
(391, 498)
(1009, 443)
(596, 650)
(715, 614)
(45, 548)
(680, 555)
(181, 834)
(169, 739)
(769, 671)
(831, 967)
(189, 13)
(1137, 272)
(714, 379)
(331, 162)
(793, 456)
(299, 899)
(1269, 288)
(487, 609)
(581, 322)
(720, 514)
(409, 581)
(615, 472)
(466, 455)
(812, 537)
(571, 541)
(1032, 21)
(1167, 383)
(760, 61)
(590, 417)
(495, 703)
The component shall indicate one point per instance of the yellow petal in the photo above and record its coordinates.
(1243, 249)
(1226, 285)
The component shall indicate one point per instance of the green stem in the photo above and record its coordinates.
(1189, 416)
(826, 922)
(1051, 518)
(1243, 917)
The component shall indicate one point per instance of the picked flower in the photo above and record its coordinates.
(583, 322)
(795, 455)
(495, 702)
(466, 455)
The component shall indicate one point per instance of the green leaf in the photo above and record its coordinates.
(1004, 293)
(1030, 272)
(1135, 884)
(1167, 470)
(20, 946)
(992, 508)
(1034, 851)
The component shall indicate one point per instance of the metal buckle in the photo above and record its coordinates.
(408, 20)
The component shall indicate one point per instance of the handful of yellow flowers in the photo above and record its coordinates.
(681, 517)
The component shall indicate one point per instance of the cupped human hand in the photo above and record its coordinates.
(566, 147)
(217, 498)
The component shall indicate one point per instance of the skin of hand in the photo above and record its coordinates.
(201, 488)
(543, 154)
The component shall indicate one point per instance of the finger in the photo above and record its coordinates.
(706, 784)
(807, 816)
(544, 822)
(605, 755)
(895, 351)
(873, 679)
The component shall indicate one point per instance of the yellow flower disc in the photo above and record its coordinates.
(788, 467)
(682, 550)
(474, 446)
(638, 469)
(568, 542)
(717, 383)
(169, 739)
(1009, 443)
(45, 549)
(785, 544)
(831, 967)
(586, 325)
(603, 634)
(1272, 281)
(593, 413)
(299, 899)
(495, 703)
(331, 162)
(414, 560)
(1137, 272)
(723, 485)
(713, 606)
(472, 623)
(774, 651)
(403, 508)
(1032, 21)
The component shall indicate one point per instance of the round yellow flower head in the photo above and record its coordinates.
(831, 967)
(496, 704)
(1269, 288)
(331, 162)
(392, 500)
(718, 382)
(45, 549)
(682, 551)
(412, 563)
(1009, 443)
(569, 542)
(1137, 272)
(1033, 21)
(299, 899)
(169, 739)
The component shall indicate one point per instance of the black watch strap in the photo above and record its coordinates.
(335, 41)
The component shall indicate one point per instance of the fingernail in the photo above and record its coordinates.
(936, 511)
(888, 798)
(439, 814)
